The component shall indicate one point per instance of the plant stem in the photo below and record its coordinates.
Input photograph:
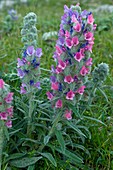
(57, 119)
(1, 142)
(55, 122)
(91, 94)
(29, 125)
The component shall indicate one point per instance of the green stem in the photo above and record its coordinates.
(29, 125)
(91, 95)
(1, 142)
(55, 122)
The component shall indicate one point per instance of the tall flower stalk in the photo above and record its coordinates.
(6, 113)
(29, 31)
(99, 75)
(73, 62)
(29, 66)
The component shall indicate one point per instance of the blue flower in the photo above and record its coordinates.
(31, 82)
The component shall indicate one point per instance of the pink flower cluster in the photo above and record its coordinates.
(72, 56)
(6, 110)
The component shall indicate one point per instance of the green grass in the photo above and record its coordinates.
(49, 14)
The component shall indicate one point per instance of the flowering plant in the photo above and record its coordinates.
(6, 113)
(69, 78)
(6, 110)
(29, 70)
(9, 20)
(28, 67)
(72, 56)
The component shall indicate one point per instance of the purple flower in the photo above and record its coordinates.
(53, 79)
(20, 62)
(84, 13)
(30, 50)
(21, 74)
(61, 41)
(12, 11)
(23, 91)
(24, 54)
(31, 82)
(13, 14)
(38, 52)
(53, 69)
(37, 85)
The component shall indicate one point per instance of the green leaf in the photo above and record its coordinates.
(31, 167)
(15, 156)
(60, 140)
(94, 119)
(86, 129)
(15, 131)
(75, 110)
(48, 35)
(46, 139)
(6, 133)
(50, 158)
(103, 94)
(24, 162)
(70, 124)
(73, 158)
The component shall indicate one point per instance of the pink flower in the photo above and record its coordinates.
(82, 51)
(68, 114)
(69, 43)
(3, 115)
(67, 34)
(89, 48)
(73, 19)
(89, 62)
(70, 95)
(75, 41)
(78, 56)
(58, 70)
(58, 50)
(94, 27)
(49, 95)
(1, 84)
(54, 86)
(68, 79)
(59, 104)
(88, 36)
(9, 123)
(9, 98)
(10, 111)
(90, 19)
(92, 41)
(61, 64)
(77, 28)
(81, 90)
(84, 71)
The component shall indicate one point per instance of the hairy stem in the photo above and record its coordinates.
(30, 117)
(1, 142)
